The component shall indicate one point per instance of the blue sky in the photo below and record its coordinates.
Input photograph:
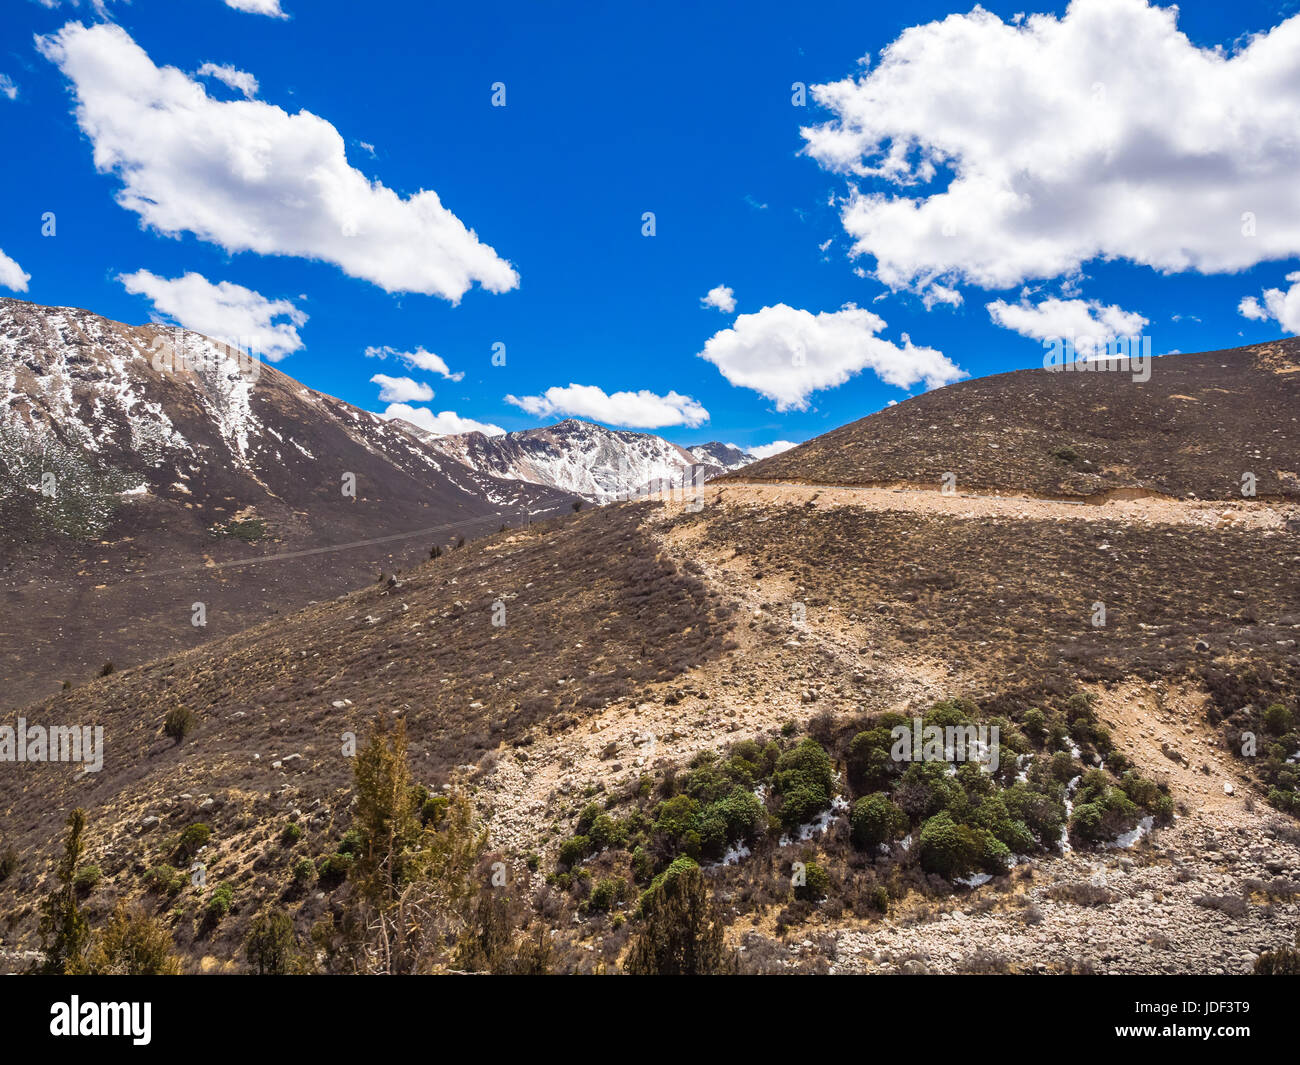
(684, 110)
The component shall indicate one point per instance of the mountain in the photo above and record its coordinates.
(724, 456)
(146, 469)
(609, 692)
(589, 460)
(1193, 429)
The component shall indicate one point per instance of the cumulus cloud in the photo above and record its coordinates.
(227, 312)
(419, 359)
(1023, 150)
(12, 275)
(8, 88)
(1087, 324)
(722, 297)
(764, 451)
(787, 354)
(635, 410)
(249, 176)
(258, 7)
(232, 77)
(1283, 306)
(444, 423)
(401, 389)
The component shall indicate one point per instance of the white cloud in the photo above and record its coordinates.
(258, 7)
(7, 87)
(635, 410)
(1284, 306)
(401, 389)
(1103, 133)
(249, 176)
(234, 78)
(12, 275)
(938, 293)
(767, 450)
(1088, 324)
(444, 423)
(787, 354)
(722, 297)
(225, 311)
(418, 359)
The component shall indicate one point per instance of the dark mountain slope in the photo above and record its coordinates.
(168, 463)
(1194, 428)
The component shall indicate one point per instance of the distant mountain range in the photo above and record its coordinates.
(589, 460)
(145, 469)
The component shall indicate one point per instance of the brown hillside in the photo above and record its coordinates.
(1193, 429)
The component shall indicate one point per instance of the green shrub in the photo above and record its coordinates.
(433, 810)
(164, 879)
(606, 833)
(333, 869)
(606, 893)
(291, 834)
(875, 820)
(816, 883)
(573, 850)
(219, 903)
(948, 848)
(804, 778)
(1277, 719)
(304, 871)
(193, 839)
(86, 879)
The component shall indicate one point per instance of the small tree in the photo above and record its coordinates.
(271, 946)
(65, 932)
(133, 944)
(682, 933)
(386, 815)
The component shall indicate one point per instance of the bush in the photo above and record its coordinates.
(219, 903)
(333, 869)
(947, 848)
(133, 944)
(573, 850)
(804, 778)
(193, 839)
(179, 722)
(1277, 719)
(304, 871)
(816, 883)
(164, 879)
(86, 879)
(606, 893)
(1285, 961)
(875, 820)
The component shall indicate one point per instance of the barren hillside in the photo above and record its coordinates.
(1191, 431)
